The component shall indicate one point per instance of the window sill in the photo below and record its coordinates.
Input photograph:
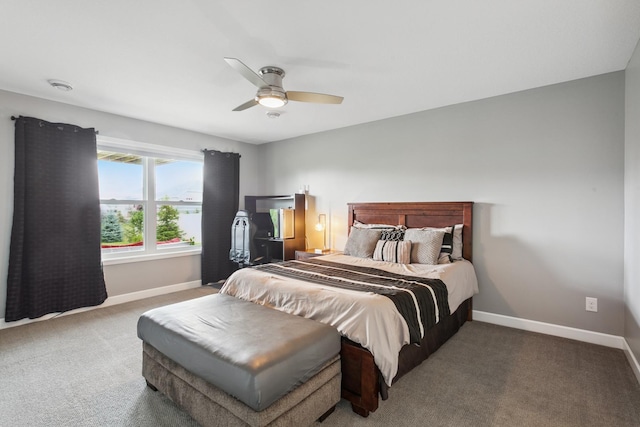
(150, 257)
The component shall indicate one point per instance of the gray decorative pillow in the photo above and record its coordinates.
(361, 242)
(425, 245)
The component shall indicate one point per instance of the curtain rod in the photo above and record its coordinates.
(14, 118)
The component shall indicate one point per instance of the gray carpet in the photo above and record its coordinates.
(84, 370)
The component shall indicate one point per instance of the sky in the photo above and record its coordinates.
(180, 180)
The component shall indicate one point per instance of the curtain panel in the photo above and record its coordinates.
(54, 261)
(220, 199)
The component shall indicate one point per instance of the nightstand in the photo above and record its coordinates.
(310, 253)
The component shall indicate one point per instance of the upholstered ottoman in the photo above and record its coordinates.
(231, 362)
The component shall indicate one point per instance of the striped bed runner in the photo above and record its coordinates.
(422, 302)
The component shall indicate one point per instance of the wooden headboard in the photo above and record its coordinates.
(418, 214)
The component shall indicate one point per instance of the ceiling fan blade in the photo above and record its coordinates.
(246, 105)
(319, 98)
(246, 72)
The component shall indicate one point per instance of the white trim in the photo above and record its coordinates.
(146, 149)
(635, 366)
(148, 293)
(149, 203)
(149, 257)
(551, 329)
(118, 299)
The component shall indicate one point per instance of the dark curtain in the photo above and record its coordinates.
(220, 198)
(54, 260)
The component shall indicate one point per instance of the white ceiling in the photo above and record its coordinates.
(162, 60)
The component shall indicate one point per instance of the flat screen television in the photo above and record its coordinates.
(264, 226)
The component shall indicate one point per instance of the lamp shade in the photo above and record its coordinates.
(321, 225)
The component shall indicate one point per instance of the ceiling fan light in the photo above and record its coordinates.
(271, 101)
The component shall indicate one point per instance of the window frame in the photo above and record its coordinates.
(148, 152)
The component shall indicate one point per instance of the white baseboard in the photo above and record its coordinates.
(148, 293)
(551, 329)
(118, 299)
(632, 360)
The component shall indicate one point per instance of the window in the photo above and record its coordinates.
(150, 199)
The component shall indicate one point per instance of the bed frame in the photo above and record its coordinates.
(362, 383)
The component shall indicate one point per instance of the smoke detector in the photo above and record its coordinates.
(61, 85)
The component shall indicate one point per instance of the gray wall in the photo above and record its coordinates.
(120, 278)
(632, 205)
(544, 167)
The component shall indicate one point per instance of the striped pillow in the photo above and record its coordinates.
(393, 250)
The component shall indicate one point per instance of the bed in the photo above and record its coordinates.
(369, 366)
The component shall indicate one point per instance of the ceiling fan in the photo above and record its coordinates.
(270, 92)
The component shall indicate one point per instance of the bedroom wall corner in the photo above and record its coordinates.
(632, 207)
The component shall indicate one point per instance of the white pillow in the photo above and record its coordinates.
(425, 245)
(358, 224)
(398, 251)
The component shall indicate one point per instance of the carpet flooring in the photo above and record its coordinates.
(84, 370)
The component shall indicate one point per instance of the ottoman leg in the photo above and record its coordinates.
(326, 414)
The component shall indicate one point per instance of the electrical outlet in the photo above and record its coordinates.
(592, 304)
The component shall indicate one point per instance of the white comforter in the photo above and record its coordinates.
(370, 320)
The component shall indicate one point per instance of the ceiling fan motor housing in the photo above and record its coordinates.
(272, 75)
